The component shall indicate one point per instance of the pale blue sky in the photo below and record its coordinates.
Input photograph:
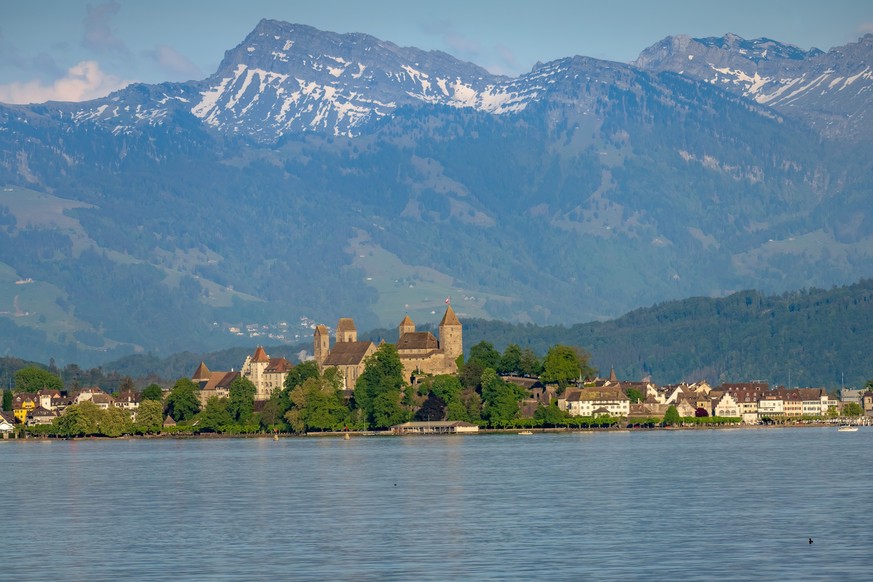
(79, 49)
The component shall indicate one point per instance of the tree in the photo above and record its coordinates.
(183, 402)
(241, 399)
(634, 395)
(471, 374)
(671, 417)
(317, 404)
(433, 408)
(153, 392)
(382, 381)
(510, 361)
(78, 420)
(550, 415)
(530, 363)
(485, 354)
(300, 374)
(564, 364)
(214, 416)
(499, 399)
(852, 409)
(33, 379)
(7, 400)
(149, 417)
(114, 422)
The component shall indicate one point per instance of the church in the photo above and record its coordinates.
(420, 352)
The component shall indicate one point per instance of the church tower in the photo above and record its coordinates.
(451, 340)
(321, 344)
(406, 326)
(346, 330)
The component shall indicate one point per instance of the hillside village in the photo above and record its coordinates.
(426, 364)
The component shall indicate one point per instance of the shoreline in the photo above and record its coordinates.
(481, 432)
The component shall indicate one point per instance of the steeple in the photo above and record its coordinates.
(451, 334)
(612, 376)
(406, 326)
(321, 343)
(201, 374)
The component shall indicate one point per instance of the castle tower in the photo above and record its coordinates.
(346, 330)
(321, 344)
(201, 374)
(406, 326)
(254, 366)
(451, 340)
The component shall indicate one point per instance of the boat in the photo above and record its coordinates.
(526, 432)
(847, 428)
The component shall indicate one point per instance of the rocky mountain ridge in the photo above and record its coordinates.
(829, 91)
(317, 175)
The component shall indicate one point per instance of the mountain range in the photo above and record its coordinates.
(318, 175)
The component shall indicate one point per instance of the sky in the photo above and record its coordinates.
(74, 50)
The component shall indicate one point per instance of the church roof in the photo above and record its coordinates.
(347, 354)
(260, 355)
(450, 318)
(201, 373)
(417, 340)
(406, 322)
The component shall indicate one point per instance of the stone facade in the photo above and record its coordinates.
(348, 355)
(420, 352)
(423, 354)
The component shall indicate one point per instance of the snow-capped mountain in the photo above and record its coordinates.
(830, 91)
(285, 184)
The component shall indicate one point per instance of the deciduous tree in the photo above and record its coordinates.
(153, 392)
(183, 402)
(149, 417)
(241, 399)
(33, 379)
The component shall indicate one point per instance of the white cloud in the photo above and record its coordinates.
(82, 82)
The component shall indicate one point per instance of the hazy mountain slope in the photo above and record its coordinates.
(179, 216)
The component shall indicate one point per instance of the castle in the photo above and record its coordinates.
(420, 352)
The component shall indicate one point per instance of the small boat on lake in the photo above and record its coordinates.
(847, 428)
(526, 432)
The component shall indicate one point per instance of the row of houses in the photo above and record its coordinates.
(42, 407)
(750, 401)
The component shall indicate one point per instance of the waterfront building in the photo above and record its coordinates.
(348, 355)
(266, 373)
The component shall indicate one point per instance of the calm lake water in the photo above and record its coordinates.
(668, 505)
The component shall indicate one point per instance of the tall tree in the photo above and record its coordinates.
(32, 379)
(183, 402)
(7, 400)
(499, 399)
(241, 399)
(485, 354)
(214, 416)
(317, 404)
(153, 392)
(564, 364)
(379, 388)
(300, 374)
(530, 363)
(671, 417)
(149, 417)
(510, 361)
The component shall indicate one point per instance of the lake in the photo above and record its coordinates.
(659, 505)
